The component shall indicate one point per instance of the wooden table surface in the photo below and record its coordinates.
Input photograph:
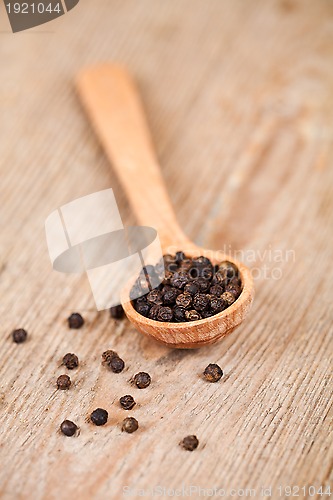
(239, 99)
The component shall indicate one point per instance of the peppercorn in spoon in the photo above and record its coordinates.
(113, 104)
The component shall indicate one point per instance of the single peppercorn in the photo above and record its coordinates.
(217, 305)
(189, 443)
(71, 361)
(201, 302)
(170, 295)
(192, 315)
(154, 312)
(155, 297)
(116, 364)
(68, 428)
(184, 300)
(228, 297)
(99, 416)
(75, 321)
(142, 308)
(117, 312)
(203, 284)
(179, 314)
(228, 269)
(19, 336)
(179, 280)
(142, 380)
(63, 382)
(130, 424)
(165, 314)
(213, 373)
(216, 290)
(127, 402)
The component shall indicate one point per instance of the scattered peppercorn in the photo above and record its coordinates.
(71, 361)
(130, 425)
(113, 361)
(189, 443)
(68, 428)
(75, 320)
(116, 364)
(127, 402)
(19, 336)
(117, 312)
(63, 382)
(142, 380)
(213, 373)
(108, 355)
(99, 416)
(190, 290)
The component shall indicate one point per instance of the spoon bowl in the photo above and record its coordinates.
(193, 334)
(113, 104)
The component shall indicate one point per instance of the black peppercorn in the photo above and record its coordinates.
(203, 284)
(130, 425)
(179, 314)
(179, 280)
(71, 361)
(184, 300)
(116, 364)
(113, 361)
(228, 269)
(201, 302)
(213, 373)
(155, 297)
(165, 314)
(142, 308)
(216, 290)
(153, 313)
(68, 428)
(19, 336)
(63, 382)
(228, 297)
(127, 402)
(75, 320)
(142, 380)
(189, 443)
(117, 312)
(217, 305)
(234, 289)
(219, 279)
(170, 295)
(108, 355)
(192, 315)
(99, 416)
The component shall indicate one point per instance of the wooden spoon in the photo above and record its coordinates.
(113, 104)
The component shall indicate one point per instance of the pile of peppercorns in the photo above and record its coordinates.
(192, 289)
(112, 360)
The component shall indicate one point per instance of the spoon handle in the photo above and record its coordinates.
(113, 104)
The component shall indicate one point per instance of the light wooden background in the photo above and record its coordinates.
(239, 97)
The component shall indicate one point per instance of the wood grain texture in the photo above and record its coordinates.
(239, 101)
